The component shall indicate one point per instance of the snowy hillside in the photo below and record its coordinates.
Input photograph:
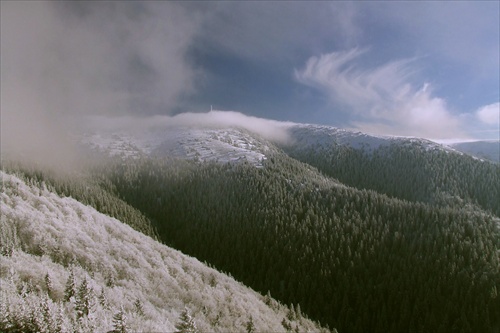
(305, 136)
(66, 267)
(202, 144)
(249, 139)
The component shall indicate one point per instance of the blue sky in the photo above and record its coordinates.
(427, 69)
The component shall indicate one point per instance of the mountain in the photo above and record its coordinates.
(67, 267)
(233, 143)
(488, 150)
(203, 144)
(412, 169)
(309, 136)
(353, 259)
(361, 233)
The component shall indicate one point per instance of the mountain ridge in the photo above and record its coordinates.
(123, 270)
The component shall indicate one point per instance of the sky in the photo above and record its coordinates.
(427, 69)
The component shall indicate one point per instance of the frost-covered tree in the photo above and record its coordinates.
(103, 300)
(6, 322)
(268, 298)
(48, 316)
(186, 323)
(139, 309)
(286, 324)
(83, 300)
(119, 322)
(69, 290)
(48, 284)
(249, 325)
(110, 281)
(291, 313)
(298, 312)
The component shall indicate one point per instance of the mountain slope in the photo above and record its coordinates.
(47, 240)
(406, 168)
(200, 143)
(364, 233)
(354, 259)
(489, 150)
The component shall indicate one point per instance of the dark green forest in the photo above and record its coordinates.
(398, 240)
(409, 171)
(356, 260)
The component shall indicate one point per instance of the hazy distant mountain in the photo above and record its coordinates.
(489, 150)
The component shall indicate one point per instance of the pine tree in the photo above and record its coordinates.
(268, 298)
(139, 309)
(286, 324)
(103, 299)
(59, 321)
(291, 313)
(83, 300)
(48, 284)
(186, 323)
(69, 290)
(298, 311)
(119, 322)
(47, 315)
(34, 321)
(5, 318)
(250, 327)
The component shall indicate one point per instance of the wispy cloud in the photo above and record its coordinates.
(384, 98)
(270, 129)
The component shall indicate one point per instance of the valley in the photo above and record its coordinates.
(360, 233)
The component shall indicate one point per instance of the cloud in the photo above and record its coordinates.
(383, 98)
(489, 114)
(267, 128)
(62, 60)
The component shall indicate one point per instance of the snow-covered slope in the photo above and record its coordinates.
(237, 142)
(305, 136)
(46, 241)
(203, 144)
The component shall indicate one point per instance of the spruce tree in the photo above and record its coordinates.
(83, 300)
(69, 290)
(139, 309)
(103, 301)
(119, 322)
(48, 284)
(186, 323)
(47, 315)
(250, 326)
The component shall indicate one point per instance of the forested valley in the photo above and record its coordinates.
(396, 239)
(422, 256)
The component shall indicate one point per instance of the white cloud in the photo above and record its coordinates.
(383, 97)
(489, 114)
(267, 128)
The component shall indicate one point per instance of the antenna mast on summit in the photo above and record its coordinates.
(210, 107)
